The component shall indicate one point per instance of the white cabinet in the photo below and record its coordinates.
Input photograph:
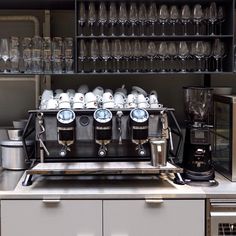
(167, 218)
(51, 218)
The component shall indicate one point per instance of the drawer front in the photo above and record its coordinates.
(51, 218)
(167, 218)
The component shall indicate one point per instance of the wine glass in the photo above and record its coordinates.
(151, 54)
(26, 54)
(206, 19)
(163, 16)
(112, 16)
(142, 16)
(172, 52)
(152, 16)
(4, 52)
(82, 15)
(123, 17)
(163, 53)
(199, 53)
(37, 46)
(218, 52)
(213, 16)
(127, 52)
(185, 17)
(14, 54)
(143, 55)
(133, 16)
(220, 18)
(116, 49)
(197, 16)
(91, 16)
(183, 54)
(174, 17)
(83, 53)
(94, 53)
(105, 52)
(102, 16)
(137, 52)
(208, 54)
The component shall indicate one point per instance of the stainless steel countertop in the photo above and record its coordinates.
(108, 188)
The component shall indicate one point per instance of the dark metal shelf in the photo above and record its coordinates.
(170, 37)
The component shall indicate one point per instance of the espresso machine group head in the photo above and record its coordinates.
(66, 129)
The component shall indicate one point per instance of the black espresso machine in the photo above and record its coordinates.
(104, 142)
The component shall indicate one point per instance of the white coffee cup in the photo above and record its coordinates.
(153, 99)
(98, 91)
(47, 94)
(91, 105)
(64, 97)
(131, 101)
(108, 105)
(71, 93)
(142, 101)
(83, 89)
(107, 97)
(52, 104)
(119, 99)
(78, 101)
(90, 97)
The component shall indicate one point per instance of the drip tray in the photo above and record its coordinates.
(102, 168)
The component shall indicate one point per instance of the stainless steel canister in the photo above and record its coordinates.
(158, 152)
(13, 155)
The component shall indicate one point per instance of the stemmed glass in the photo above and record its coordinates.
(94, 53)
(133, 16)
(151, 54)
(105, 52)
(185, 17)
(83, 53)
(172, 52)
(137, 52)
(174, 17)
(14, 54)
(220, 18)
(127, 52)
(218, 52)
(82, 16)
(142, 16)
(117, 52)
(212, 16)
(163, 16)
(143, 55)
(26, 54)
(102, 16)
(152, 16)
(207, 54)
(183, 54)
(206, 19)
(5, 52)
(198, 16)
(113, 17)
(199, 53)
(91, 16)
(123, 17)
(163, 53)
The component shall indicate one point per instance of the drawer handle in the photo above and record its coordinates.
(154, 201)
(51, 201)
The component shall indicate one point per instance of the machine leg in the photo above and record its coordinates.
(28, 180)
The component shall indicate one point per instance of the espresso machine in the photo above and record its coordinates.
(104, 142)
(197, 158)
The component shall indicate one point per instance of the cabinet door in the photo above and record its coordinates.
(51, 218)
(167, 218)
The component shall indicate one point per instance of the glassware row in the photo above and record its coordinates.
(132, 19)
(150, 56)
(36, 55)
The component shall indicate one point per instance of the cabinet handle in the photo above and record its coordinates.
(51, 201)
(154, 201)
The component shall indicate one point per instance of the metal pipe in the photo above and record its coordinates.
(23, 18)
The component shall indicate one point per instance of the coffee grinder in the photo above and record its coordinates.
(197, 158)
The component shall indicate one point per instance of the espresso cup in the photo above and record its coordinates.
(119, 100)
(79, 97)
(131, 101)
(83, 89)
(91, 105)
(98, 91)
(153, 99)
(107, 97)
(90, 97)
(52, 104)
(64, 97)
(47, 94)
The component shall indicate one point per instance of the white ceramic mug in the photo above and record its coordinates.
(107, 97)
(78, 101)
(52, 104)
(64, 97)
(47, 94)
(142, 101)
(131, 101)
(119, 99)
(90, 100)
(98, 91)
(71, 93)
